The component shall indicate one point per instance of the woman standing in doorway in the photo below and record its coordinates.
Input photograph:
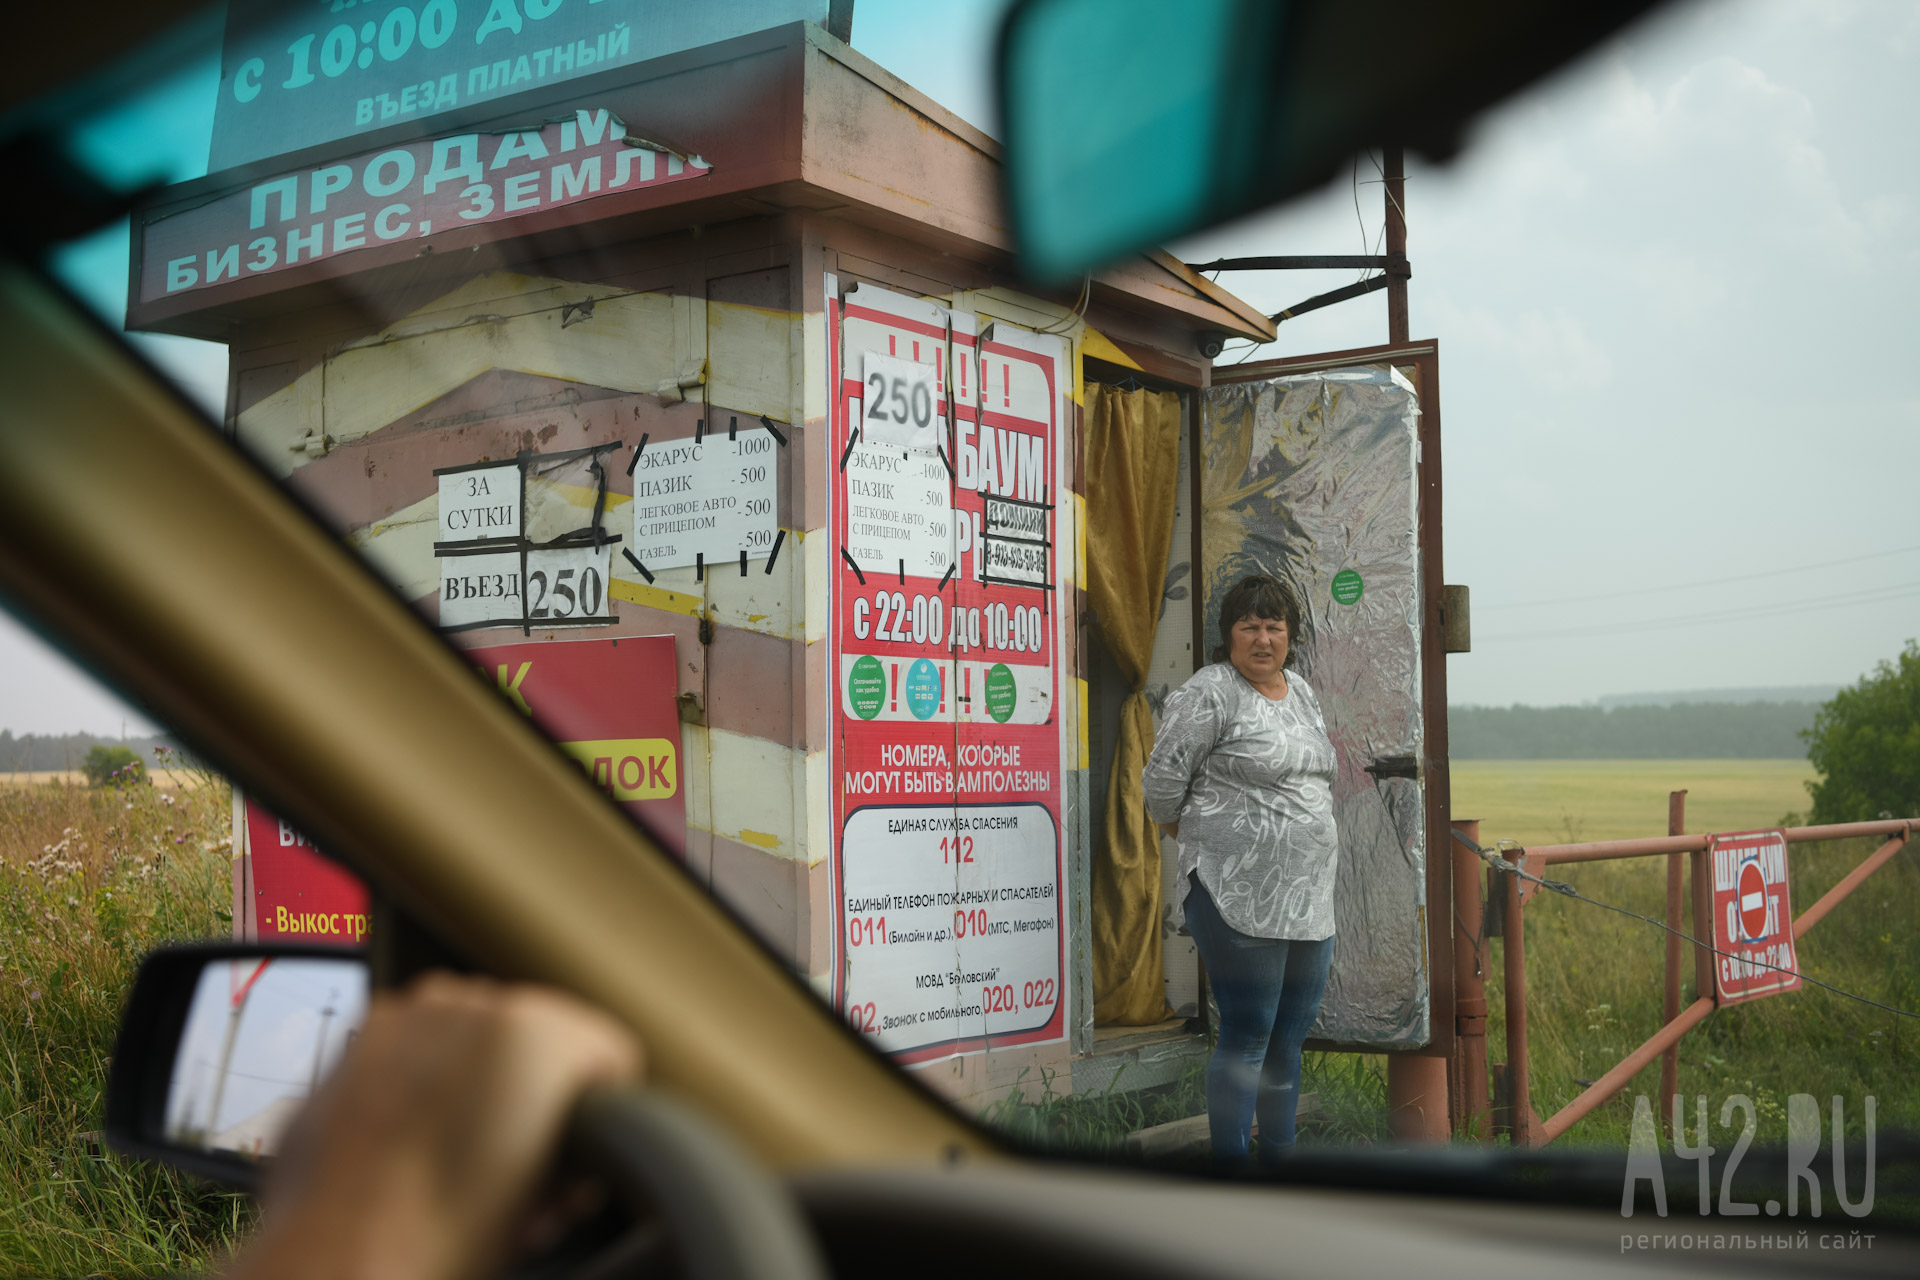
(1242, 775)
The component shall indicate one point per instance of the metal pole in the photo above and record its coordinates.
(1469, 988)
(1417, 1097)
(1670, 1009)
(1515, 949)
(1394, 169)
(1814, 914)
(1700, 873)
(1630, 1066)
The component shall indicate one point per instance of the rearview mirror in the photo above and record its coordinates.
(221, 1046)
(1129, 122)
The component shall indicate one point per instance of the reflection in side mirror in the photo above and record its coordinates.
(222, 1045)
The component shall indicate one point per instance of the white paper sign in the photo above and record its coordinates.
(953, 923)
(898, 508)
(713, 499)
(900, 405)
(480, 502)
(567, 584)
(480, 588)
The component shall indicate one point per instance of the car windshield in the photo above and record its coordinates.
(1065, 684)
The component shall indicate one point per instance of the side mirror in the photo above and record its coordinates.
(1130, 122)
(220, 1047)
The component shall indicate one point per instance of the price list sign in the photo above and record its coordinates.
(947, 742)
(898, 515)
(707, 500)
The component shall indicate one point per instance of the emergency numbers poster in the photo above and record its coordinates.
(947, 742)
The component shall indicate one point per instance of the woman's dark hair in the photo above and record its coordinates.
(1259, 596)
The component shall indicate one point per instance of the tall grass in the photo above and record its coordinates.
(90, 879)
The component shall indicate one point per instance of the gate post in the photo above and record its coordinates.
(1670, 1007)
(1417, 1097)
(1471, 1111)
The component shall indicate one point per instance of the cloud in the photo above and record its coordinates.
(1724, 146)
(1548, 346)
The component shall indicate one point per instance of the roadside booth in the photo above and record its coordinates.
(687, 389)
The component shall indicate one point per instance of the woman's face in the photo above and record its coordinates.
(1258, 648)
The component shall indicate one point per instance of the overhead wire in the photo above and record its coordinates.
(1566, 890)
(1702, 582)
(1751, 613)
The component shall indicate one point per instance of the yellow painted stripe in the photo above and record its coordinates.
(656, 597)
(1100, 347)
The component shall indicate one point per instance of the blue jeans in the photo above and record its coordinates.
(1269, 994)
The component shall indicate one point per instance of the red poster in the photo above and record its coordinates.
(609, 705)
(947, 743)
(299, 895)
(1752, 917)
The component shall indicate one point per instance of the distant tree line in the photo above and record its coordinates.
(1684, 731)
(36, 753)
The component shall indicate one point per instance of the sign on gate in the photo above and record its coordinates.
(1752, 917)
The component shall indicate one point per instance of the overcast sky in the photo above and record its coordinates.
(1670, 287)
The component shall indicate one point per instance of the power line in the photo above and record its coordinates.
(1689, 586)
(1566, 890)
(1752, 613)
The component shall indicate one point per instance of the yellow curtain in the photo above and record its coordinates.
(1133, 471)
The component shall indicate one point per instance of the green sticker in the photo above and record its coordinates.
(923, 689)
(1000, 693)
(1347, 587)
(867, 687)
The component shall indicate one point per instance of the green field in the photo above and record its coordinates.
(1567, 801)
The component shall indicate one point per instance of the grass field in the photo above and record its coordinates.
(90, 880)
(1567, 801)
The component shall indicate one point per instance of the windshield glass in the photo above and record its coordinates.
(1058, 682)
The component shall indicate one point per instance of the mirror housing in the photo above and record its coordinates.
(1132, 122)
(219, 1046)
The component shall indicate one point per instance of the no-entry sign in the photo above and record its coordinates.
(1752, 917)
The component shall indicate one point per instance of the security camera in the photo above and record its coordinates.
(1212, 344)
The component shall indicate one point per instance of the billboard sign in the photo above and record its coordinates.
(301, 75)
(947, 782)
(609, 706)
(1752, 918)
(299, 894)
(407, 192)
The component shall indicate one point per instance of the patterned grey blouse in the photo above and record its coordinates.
(1250, 781)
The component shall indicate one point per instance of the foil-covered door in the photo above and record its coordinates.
(1311, 478)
